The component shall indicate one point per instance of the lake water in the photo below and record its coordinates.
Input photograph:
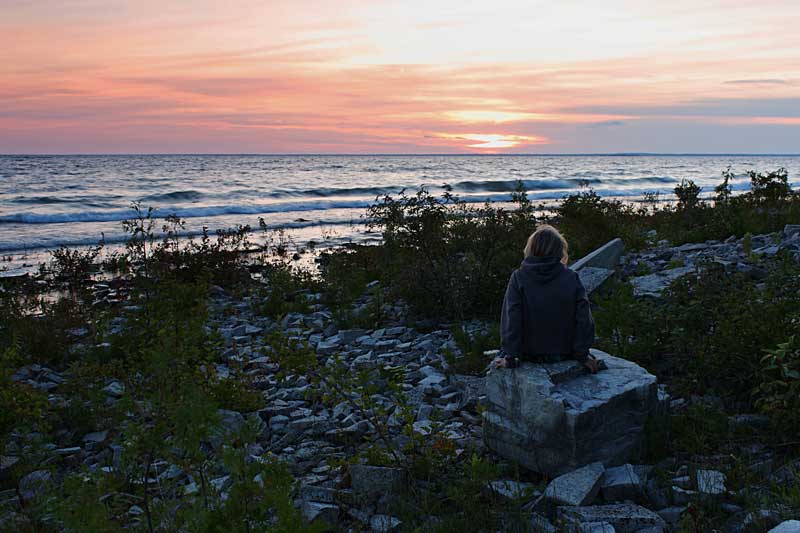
(48, 201)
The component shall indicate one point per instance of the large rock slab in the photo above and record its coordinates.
(593, 277)
(598, 266)
(579, 487)
(790, 526)
(624, 517)
(376, 480)
(607, 256)
(621, 483)
(554, 418)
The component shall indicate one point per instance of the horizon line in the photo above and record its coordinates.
(425, 154)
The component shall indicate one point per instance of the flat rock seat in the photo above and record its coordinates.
(553, 418)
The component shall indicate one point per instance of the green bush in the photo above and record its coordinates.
(285, 291)
(778, 393)
(588, 221)
(472, 347)
(74, 265)
(447, 258)
(688, 194)
(708, 332)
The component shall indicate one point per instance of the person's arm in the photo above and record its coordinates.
(584, 325)
(511, 320)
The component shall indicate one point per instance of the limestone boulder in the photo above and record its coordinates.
(578, 487)
(790, 526)
(554, 418)
(623, 517)
(654, 284)
(593, 277)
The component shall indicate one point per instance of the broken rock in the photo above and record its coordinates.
(624, 517)
(576, 488)
(553, 418)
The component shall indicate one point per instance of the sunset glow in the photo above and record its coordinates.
(352, 76)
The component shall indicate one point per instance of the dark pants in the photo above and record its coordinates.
(513, 362)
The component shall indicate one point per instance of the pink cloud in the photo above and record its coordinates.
(264, 77)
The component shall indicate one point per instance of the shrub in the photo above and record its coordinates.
(285, 290)
(447, 258)
(171, 254)
(778, 393)
(472, 346)
(708, 330)
(688, 194)
(74, 265)
(769, 188)
(22, 404)
(701, 430)
(589, 221)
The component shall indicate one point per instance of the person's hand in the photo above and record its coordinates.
(592, 364)
(500, 362)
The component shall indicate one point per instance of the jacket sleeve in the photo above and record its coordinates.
(584, 324)
(511, 319)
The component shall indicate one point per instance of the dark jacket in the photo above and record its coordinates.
(546, 312)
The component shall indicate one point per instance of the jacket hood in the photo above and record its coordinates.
(542, 269)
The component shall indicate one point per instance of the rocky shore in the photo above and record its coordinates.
(318, 442)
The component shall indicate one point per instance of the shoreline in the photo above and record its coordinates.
(362, 384)
(312, 233)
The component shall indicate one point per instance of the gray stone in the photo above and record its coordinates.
(511, 490)
(231, 422)
(593, 277)
(98, 437)
(761, 520)
(749, 420)
(278, 422)
(376, 480)
(7, 463)
(320, 512)
(554, 418)
(654, 284)
(349, 336)
(791, 229)
(789, 526)
(34, 484)
(691, 247)
(607, 256)
(672, 515)
(596, 527)
(68, 451)
(135, 510)
(625, 517)
(621, 483)
(433, 380)
(540, 524)
(330, 345)
(710, 482)
(114, 389)
(381, 523)
(221, 483)
(312, 424)
(579, 487)
(316, 493)
(682, 496)
(684, 482)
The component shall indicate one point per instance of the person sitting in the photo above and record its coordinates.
(546, 316)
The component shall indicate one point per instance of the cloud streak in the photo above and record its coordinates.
(357, 76)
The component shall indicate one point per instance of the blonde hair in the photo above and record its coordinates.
(546, 241)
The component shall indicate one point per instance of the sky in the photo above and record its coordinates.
(405, 76)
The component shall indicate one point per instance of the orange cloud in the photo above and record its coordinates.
(357, 76)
